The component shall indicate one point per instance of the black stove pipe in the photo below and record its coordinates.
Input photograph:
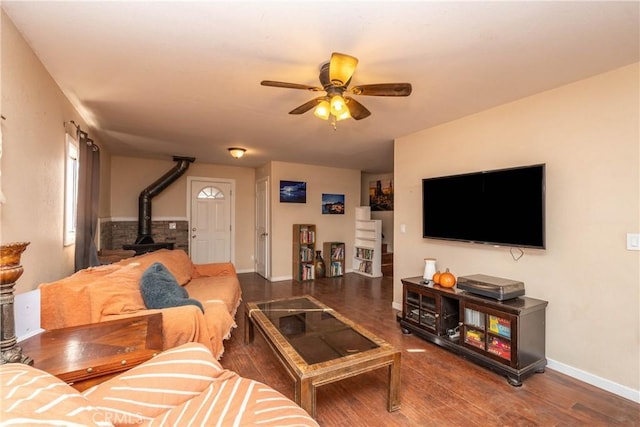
(144, 200)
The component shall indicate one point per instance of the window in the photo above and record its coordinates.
(71, 190)
(211, 193)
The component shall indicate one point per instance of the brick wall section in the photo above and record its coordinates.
(114, 234)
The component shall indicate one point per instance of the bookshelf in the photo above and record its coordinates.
(333, 255)
(304, 246)
(367, 258)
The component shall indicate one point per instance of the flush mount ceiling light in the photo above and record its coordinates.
(236, 152)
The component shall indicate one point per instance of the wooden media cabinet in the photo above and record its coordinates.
(507, 336)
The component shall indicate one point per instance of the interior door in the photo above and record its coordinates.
(210, 221)
(262, 228)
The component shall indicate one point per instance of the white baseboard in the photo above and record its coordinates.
(594, 380)
(280, 279)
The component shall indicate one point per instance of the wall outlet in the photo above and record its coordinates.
(172, 226)
(633, 241)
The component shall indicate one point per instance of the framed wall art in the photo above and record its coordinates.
(381, 195)
(293, 192)
(333, 204)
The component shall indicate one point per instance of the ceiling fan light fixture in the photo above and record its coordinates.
(338, 105)
(323, 110)
(236, 152)
(345, 114)
(342, 68)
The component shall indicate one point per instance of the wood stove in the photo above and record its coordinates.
(144, 242)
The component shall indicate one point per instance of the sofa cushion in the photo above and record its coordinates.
(160, 289)
(186, 386)
(168, 380)
(33, 397)
(224, 290)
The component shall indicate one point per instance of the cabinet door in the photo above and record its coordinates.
(489, 332)
(420, 308)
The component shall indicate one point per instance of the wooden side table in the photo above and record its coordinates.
(86, 355)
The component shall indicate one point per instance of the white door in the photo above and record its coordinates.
(262, 228)
(210, 221)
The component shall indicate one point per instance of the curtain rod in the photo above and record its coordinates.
(83, 135)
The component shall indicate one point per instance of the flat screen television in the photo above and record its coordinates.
(504, 207)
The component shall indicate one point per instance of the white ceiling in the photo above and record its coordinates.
(157, 79)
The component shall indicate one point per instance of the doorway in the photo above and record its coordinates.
(262, 228)
(211, 220)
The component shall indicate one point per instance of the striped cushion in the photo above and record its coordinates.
(33, 397)
(187, 385)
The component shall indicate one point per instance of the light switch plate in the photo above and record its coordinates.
(633, 241)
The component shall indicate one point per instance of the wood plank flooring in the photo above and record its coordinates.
(438, 388)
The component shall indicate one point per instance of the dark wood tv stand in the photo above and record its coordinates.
(507, 337)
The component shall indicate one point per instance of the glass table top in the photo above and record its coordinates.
(313, 330)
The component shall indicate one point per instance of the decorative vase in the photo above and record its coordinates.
(429, 269)
(10, 272)
(319, 265)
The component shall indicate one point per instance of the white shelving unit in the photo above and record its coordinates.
(367, 255)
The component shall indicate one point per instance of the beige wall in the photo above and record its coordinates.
(33, 145)
(587, 134)
(129, 176)
(340, 228)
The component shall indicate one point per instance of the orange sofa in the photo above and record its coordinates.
(112, 291)
(179, 387)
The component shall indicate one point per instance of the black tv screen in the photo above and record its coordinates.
(502, 207)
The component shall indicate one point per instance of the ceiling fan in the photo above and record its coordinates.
(335, 77)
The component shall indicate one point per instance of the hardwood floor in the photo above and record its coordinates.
(438, 388)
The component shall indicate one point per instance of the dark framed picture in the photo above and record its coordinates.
(333, 204)
(293, 192)
(381, 195)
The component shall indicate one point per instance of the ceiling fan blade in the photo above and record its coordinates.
(341, 68)
(383, 89)
(357, 110)
(307, 105)
(290, 85)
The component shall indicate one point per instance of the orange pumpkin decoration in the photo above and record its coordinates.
(436, 278)
(447, 279)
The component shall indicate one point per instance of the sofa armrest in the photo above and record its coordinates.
(214, 269)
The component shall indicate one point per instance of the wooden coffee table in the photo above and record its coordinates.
(87, 355)
(319, 346)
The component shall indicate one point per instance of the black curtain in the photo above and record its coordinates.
(88, 195)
